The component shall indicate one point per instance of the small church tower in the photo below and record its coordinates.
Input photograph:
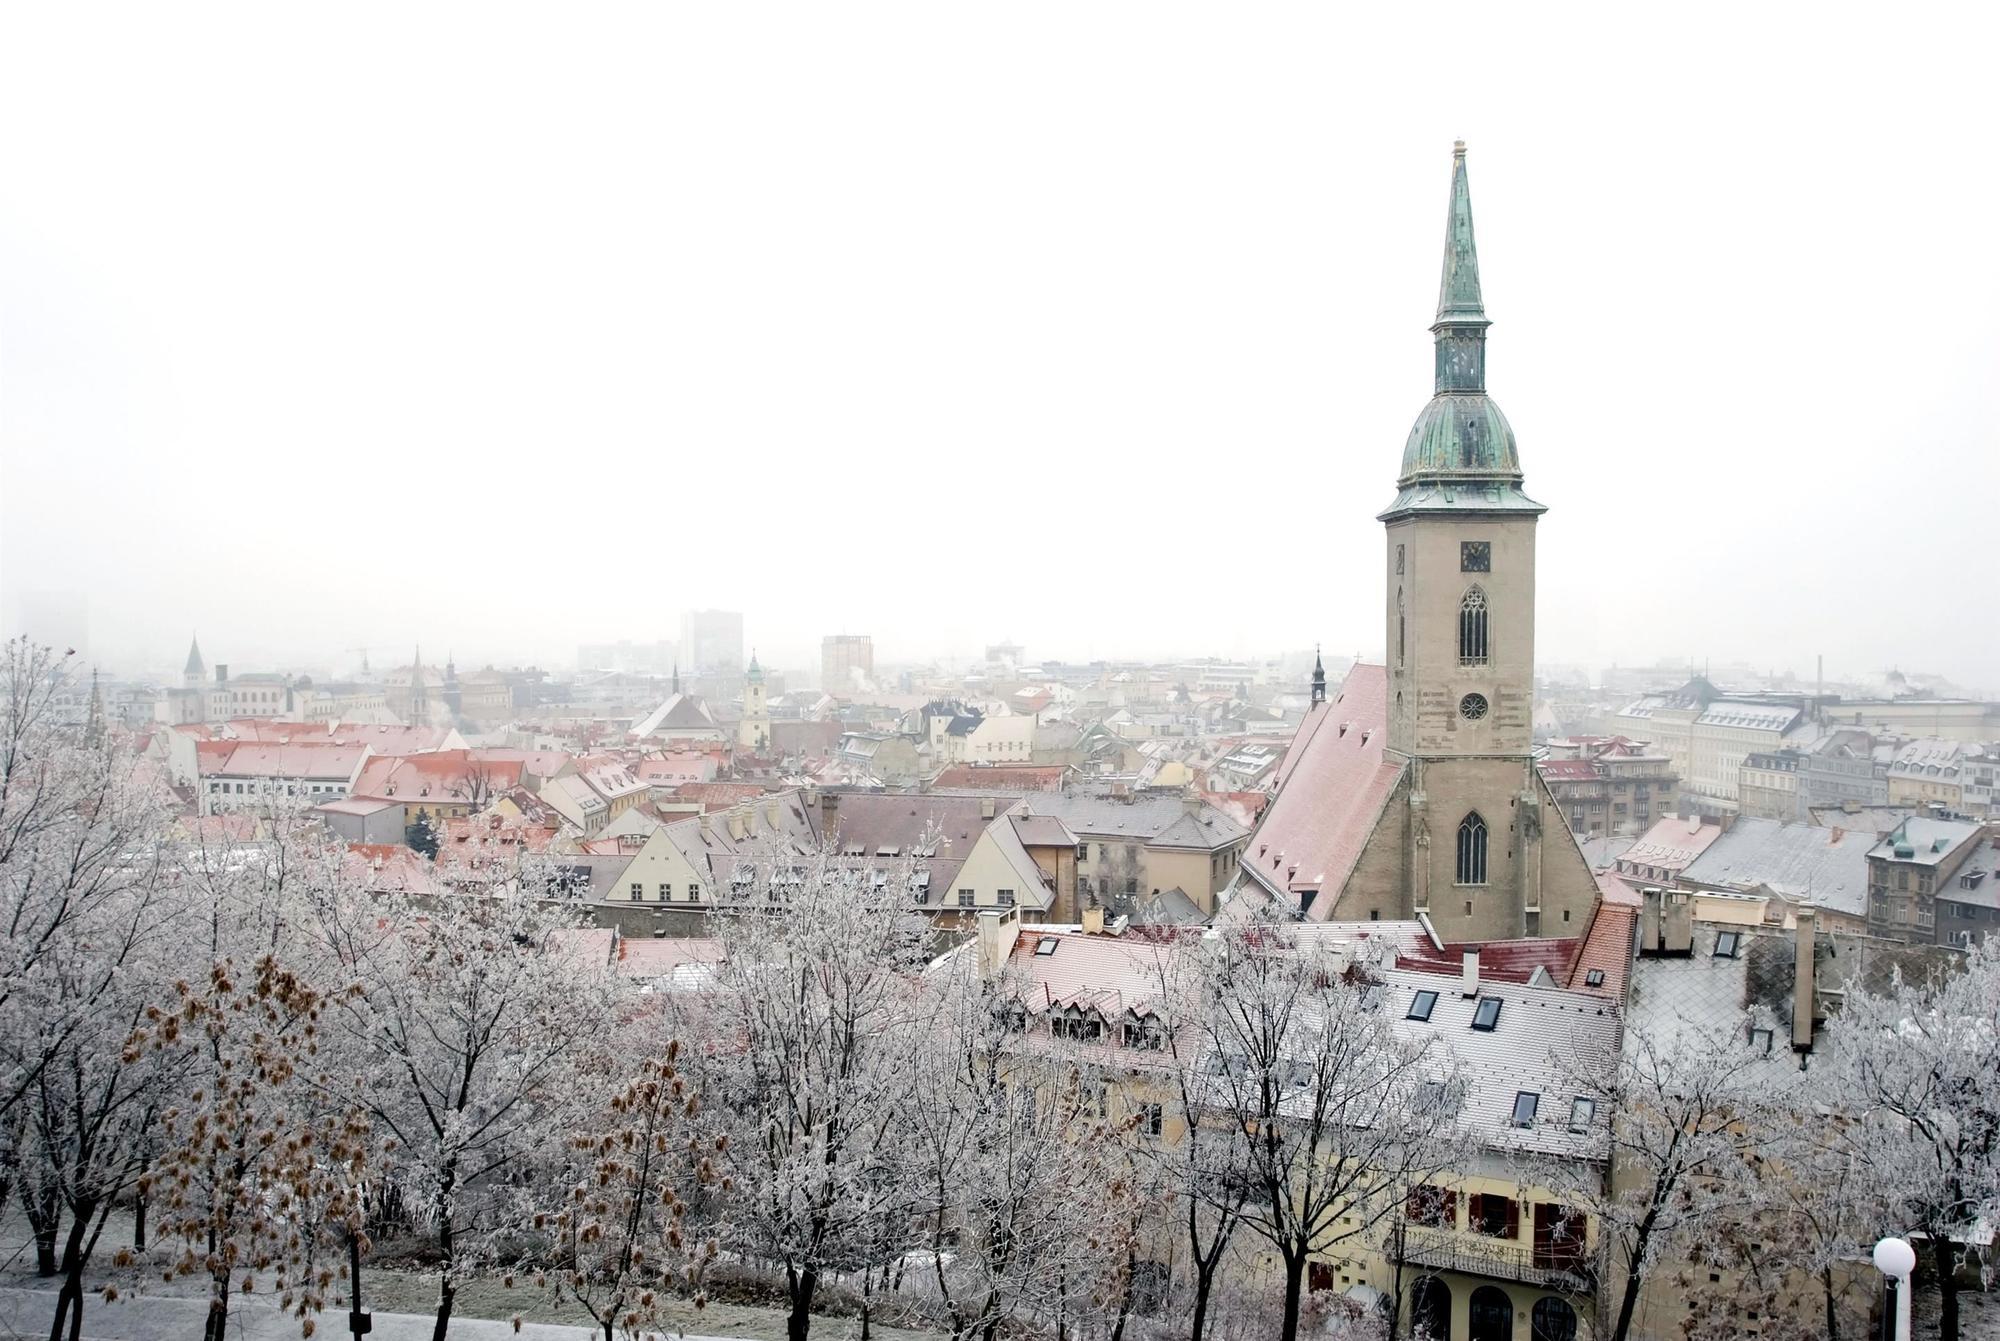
(754, 732)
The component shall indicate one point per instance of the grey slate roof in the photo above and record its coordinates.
(1826, 868)
(1162, 820)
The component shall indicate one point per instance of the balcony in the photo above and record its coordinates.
(1546, 1268)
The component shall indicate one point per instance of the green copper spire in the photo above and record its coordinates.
(1458, 289)
(1460, 329)
(1460, 455)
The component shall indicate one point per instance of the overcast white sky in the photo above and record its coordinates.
(1095, 326)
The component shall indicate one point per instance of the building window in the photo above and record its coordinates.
(1489, 1214)
(1581, 1111)
(1475, 556)
(965, 898)
(1471, 850)
(1552, 1320)
(1006, 898)
(1472, 630)
(1473, 707)
(1486, 1016)
(1433, 1206)
(1726, 944)
(1399, 559)
(1421, 1005)
(1152, 1119)
(1526, 1104)
(638, 892)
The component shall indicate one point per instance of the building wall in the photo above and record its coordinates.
(658, 867)
(1426, 683)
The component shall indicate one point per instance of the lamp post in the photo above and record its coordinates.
(1896, 1260)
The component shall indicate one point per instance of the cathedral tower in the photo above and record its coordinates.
(753, 733)
(1460, 607)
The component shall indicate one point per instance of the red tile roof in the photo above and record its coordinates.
(1569, 770)
(718, 795)
(1331, 788)
(1607, 948)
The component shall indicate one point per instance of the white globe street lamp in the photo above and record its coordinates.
(1896, 1260)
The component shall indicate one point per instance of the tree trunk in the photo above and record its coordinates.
(1295, 1279)
(1204, 1281)
(447, 1245)
(1947, 1274)
(1627, 1303)
(867, 1300)
(217, 1326)
(69, 1299)
(139, 1225)
(447, 1295)
(799, 1321)
(44, 1218)
(1832, 1313)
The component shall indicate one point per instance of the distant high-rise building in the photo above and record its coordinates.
(711, 640)
(844, 658)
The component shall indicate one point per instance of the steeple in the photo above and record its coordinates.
(1319, 678)
(1459, 302)
(195, 671)
(1460, 454)
(756, 672)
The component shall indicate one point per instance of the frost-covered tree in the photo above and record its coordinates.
(260, 1176)
(622, 1239)
(1919, 1065)
(817, 1008)
(1202, 1173)
(1685, 1101)
(1321, 1095)
(79, 826)
(474, 1041)
(1025, 1188)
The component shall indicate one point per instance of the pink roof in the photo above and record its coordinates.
(390, 739)
(1112, 973)
(541, 763)
(1331, 787)
(1671, 844)
(299, 759)
(446, 775)
(640, 958)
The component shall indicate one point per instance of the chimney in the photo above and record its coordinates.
(1191, 802)
(997, 930)
(986, 807)
(1341, 952)
(1469, 974)
(704, 824)
(1803, 989)
(829, 813)
(1649, 921)
(1678, 924)
(1093, 920)
(221, 673)
(771, 815)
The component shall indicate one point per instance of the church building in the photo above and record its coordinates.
(1413, 789)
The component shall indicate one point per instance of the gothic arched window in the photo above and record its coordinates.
(1472, 628)
(1472, 850)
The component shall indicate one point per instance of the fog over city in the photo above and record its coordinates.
(1095, 328)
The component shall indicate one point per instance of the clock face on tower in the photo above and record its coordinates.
(1475, 556)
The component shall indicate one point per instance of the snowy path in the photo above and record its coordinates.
(27, 1313)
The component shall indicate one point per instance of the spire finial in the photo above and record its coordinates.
(1458, 288)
